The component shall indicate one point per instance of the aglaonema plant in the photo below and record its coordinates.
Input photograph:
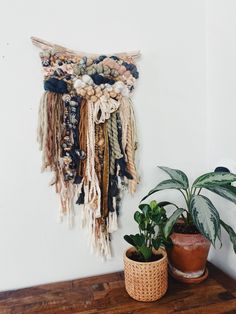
(154, 229)
(199, 210)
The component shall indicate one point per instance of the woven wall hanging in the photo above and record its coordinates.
(87, 135)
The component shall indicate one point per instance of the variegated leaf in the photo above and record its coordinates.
(165, 203)
(177, 175)
(228, 192)
(205, 217)
(214, 178)
(231, 233)
(165, 185)
(171, 221)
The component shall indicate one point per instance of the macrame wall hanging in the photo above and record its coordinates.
(87, 134)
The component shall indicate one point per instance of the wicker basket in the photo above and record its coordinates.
(147, 281)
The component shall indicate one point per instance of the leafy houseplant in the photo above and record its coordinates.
(146, 261)
(149, 218)
(200, 215)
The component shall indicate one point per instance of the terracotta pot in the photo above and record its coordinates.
(188, 256)
(146, 281)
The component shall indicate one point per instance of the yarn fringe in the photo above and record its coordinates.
(50, 131)
(87, 134)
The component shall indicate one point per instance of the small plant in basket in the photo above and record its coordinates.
(154, 230)
(146, 261)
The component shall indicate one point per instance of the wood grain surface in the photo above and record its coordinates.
(106, 294)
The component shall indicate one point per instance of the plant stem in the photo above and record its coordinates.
(184, 196)
(184, 219)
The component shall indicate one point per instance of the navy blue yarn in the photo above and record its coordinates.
(132, 68)
(102, 57)
(56, 86)
(78, 179)
(135, 74)
(129, 66)
(72, 129)
(99, 79)
(123, 171)
(81, 197)
(115, 58)
(113, 191)
(96, 61)
(68, 77)
(99, 59)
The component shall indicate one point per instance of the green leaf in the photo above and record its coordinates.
(144, 208)
(205, 217)
(165, 185)
(165, 203)
(156, 243)
(167, 243)
(135, 240)
(150, 229)
(129, 240)
(139, 239)
(156, 218)
(146, 252)
(214, 178)
(231, 233)
(138, 217)
(177, 175)
(171, 221)
(228, 192)
(158, 210)
(142, 225)
(153, 204)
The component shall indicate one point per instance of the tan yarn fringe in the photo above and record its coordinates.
(95, 214)
(129, 139)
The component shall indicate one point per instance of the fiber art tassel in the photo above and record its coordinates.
(113, 226)
(87, 134)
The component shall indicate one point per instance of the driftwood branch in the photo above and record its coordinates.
(43, 44)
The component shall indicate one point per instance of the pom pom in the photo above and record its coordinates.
(56, 86)
(98, 79)
(87, 79)
(79, 84)
(118, 87)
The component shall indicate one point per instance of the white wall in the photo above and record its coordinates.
(221, 117)
(170, 105)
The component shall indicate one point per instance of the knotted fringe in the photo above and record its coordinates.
(49, 136)
(98, 133)
(129, 139)
(112, 222)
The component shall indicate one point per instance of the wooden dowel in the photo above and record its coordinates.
(43, 44)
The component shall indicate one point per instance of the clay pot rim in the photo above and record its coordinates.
(181, 221)
(189, 238)
(159, 251)
(196, 235)
(188, 234)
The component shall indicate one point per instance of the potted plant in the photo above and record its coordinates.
(146, 261)
(200, 224)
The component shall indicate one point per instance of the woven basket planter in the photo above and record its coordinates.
(147, 281)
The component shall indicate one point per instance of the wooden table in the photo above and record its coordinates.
(106, 294)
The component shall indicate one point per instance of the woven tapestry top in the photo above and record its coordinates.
(87, 134)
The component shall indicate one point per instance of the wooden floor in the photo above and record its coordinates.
(106, 294)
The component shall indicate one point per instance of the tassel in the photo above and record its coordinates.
(112, 220)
